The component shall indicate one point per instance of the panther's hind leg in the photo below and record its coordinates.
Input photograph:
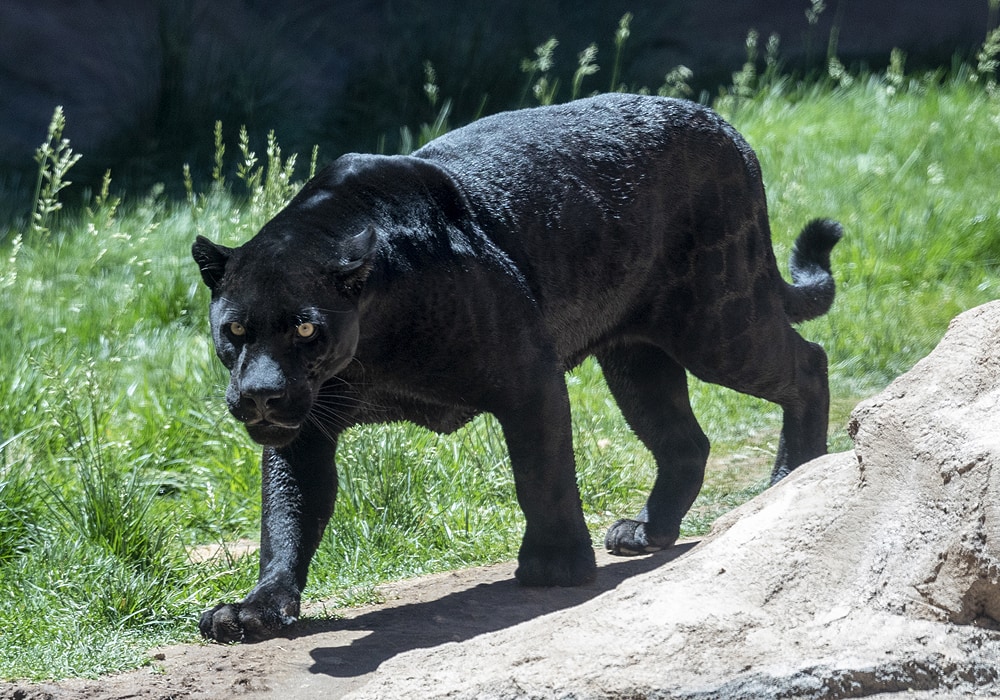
(651, 390)
(806, 415)
(775, 363)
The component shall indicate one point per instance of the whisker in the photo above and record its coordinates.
(339, 403)
(345, 407)
(322, 428)
(331, 416)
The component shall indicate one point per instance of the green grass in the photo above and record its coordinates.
(117, 455)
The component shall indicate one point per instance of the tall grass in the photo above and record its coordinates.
(117, 457)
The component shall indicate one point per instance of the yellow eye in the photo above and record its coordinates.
(305, 330)
(237, 329)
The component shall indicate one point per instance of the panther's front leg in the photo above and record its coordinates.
(299, 488)
(556, 549)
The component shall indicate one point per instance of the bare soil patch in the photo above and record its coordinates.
(331, 658)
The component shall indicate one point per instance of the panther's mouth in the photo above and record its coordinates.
(272, 423)
(272, 433)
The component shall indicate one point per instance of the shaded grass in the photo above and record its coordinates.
(116, 454)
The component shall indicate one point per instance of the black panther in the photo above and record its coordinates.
(471, 275)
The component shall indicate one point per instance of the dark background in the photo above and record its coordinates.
(142, 83)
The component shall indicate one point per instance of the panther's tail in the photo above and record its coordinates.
(812, 291)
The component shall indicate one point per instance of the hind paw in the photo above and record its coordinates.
(630, 537)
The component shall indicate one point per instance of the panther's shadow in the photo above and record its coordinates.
(381, 634)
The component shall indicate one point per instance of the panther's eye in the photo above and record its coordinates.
(237, 329)
(305, 330)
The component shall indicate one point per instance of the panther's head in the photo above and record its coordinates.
(284, 317)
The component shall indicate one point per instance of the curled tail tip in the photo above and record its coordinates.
(819, 234)
(812, 247)
(813, 288)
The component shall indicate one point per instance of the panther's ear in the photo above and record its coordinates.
(211, 259)
(356, 251)
(354, 261)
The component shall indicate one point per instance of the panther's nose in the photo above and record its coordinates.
(255, 404)
(263, 399)
(259, 390)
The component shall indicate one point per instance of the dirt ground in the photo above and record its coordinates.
(330, 658)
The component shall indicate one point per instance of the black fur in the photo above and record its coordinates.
(470, 276)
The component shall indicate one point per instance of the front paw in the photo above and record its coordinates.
(249, 621)
(571, 565)
(630, 537)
